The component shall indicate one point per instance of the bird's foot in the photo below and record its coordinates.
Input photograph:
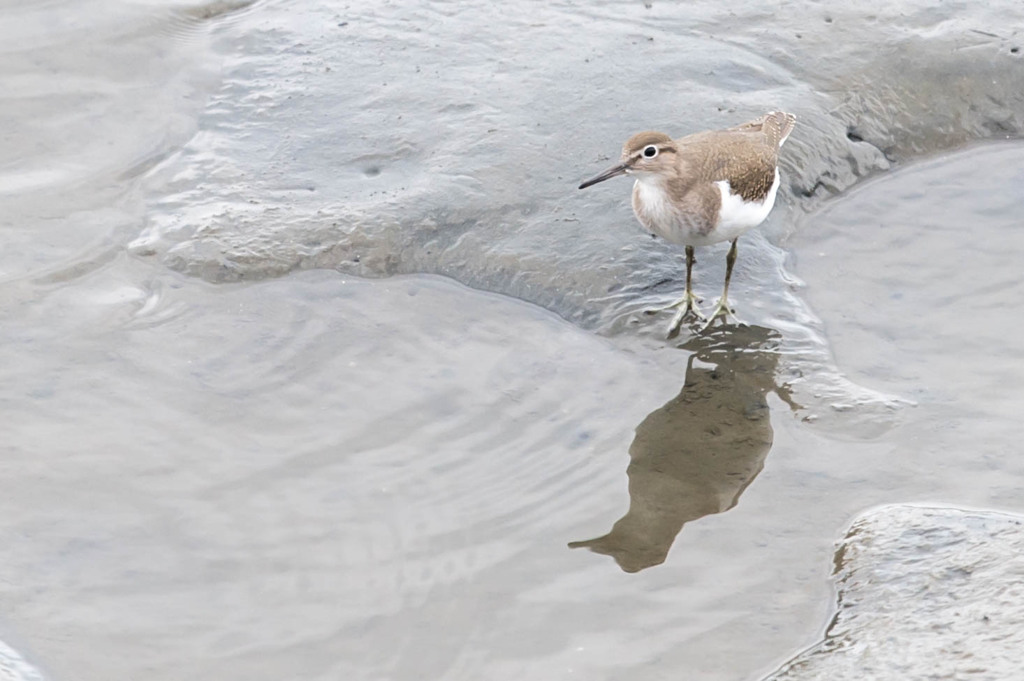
(722, 311)
(687, 307)
(687, 302)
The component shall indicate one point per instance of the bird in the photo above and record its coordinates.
(702, 189)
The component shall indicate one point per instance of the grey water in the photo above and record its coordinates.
(314, 364)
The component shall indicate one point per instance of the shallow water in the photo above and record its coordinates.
(314, 363)
(268, 487)
(917, 284)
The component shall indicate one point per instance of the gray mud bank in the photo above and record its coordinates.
(924, 593)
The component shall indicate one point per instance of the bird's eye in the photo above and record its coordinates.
(650, 151)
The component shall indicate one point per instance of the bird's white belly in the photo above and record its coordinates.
(736, 216)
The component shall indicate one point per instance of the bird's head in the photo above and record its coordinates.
(645, 153)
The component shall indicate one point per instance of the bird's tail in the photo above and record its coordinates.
(781, 124)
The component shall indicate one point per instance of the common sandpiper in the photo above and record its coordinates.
(702, 189)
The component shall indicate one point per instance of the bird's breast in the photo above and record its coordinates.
(680, 220)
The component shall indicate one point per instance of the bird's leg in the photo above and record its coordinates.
(688, 304)
(722, 309)
(689, 300)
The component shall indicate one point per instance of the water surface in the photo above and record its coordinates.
(313, 362)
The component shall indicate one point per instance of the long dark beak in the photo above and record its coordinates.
(611, 172)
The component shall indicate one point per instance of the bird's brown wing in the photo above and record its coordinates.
(743, 157)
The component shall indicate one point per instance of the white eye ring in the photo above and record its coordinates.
(650, 151)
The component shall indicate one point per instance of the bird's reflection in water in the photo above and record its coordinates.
(695, 455)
